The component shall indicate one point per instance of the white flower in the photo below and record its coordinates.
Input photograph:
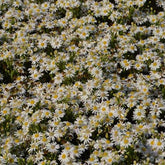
(108, 158)
(53, 162)
(96, 72)
(62, 22)
(60, 113)
(50, 25)
(36, 136)
(5, 111)
(139, 114)
(33, 147)
(104, 109)
(104, 42)
(155, 65)
(130, 3)
(83, 34)
(55, 97)
(56, 42)
(144, 89)
(45, 5)
(52, 147)
(73, 48)
(138, 65)
(39, 156)
(17, 3)
(58, 78)
(152, 18)
(140, 3)
(126, 64)
(159, 144)
(32, 102)
(161, 81)
(44, 162)
(36, 75)
(42, 43)
(64, 157)
(126, 141)
(11, 159)
(46, 114)
(132, 48)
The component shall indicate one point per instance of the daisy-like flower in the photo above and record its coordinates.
(153, 39)
(112, 113)
(56, 42)
(45, 5)
(11, 159)
(138, 65)
(108, 157)
(5, 111)
(92, 160)
(43, 140)
(64, 157)
(81, 121)
(33, 147)
(39, 156)
(144, 89)
(6, 25)
(32, 102)
(126, 64)
(46, 114)
(161, 47)
(132, 48)
(130, 3)
(104, 42)
(74, 152)
(58, 78)
(117, 86)
(155, 65)
(140, 3)
(85, 138)
(52, 147)
(36, 75)
(50, 134)
(59, 132)
(152, 143)
(152, 18)
(36, 136)
(44, 162)
(63, 22)
(55, 97)
(159, 144)
(157, 31)
(53, 162)
(50, 25)
(42, 43)
(73, 48)
(161, 81)
(104, 109)
(126, 141)
(116, 136)
(60, 113)
(26, 124)
(140, 58)
(139, 114)
(17, 3)
(83, 34)
(96, 72)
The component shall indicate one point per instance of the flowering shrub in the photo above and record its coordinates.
(82, 82)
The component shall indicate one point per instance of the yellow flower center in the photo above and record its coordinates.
(63, 156)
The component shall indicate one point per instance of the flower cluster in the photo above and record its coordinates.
(82, 82)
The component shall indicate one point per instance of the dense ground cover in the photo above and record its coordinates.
(82, 82)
